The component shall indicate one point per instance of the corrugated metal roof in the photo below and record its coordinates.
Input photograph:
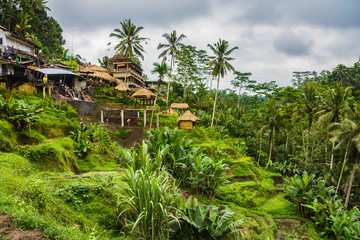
(56, 71)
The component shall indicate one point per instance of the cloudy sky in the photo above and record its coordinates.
(275, 38)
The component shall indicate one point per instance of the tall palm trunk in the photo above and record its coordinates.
(270, 146)
(332, 156)
(259, 151)
(152, 112)
(168, 90)
(238, 101)
(185, 88)
(127, 69)
(350, 185)
(342, 168)
(216, 94)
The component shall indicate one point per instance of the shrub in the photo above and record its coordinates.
(54, 155)
(7, 136)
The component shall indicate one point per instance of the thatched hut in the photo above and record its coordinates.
(187, 120)
(122, 87)
(106, 77)
(145, 97)
(179, 106)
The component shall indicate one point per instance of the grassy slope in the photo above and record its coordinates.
(39, 184)
(255, 194)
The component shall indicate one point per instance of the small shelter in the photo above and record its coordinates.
(179, 106)
(187, 120)
(122, 87)
(106, 77)
(145, 97)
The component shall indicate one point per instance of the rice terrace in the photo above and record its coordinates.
(184, 120)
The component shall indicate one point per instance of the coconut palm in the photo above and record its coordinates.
(348, 138)
(171, 48)
(130, 41)
(220, 64)
(162, 70)
(334, 103)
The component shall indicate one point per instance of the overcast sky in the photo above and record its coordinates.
(275, 38)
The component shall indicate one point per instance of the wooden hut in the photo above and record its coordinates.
(187, 120)
(145, 97)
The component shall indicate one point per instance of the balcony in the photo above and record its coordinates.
(130, 72)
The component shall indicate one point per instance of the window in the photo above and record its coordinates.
(0, 41)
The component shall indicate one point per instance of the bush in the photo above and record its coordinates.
(54, 155)
(7, 137)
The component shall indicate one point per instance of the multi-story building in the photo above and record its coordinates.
(126, 70)
(16, 48)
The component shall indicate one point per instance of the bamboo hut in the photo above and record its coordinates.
(187, 120)
(145, 97)
(179, 106)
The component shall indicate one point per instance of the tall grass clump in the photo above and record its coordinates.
(149, 204)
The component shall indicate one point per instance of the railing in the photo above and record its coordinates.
(129, 71)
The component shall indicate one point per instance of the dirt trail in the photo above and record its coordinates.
(8, 230)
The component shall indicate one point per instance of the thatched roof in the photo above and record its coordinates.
(105, 76)
(144, 93)
(122, 87)
(96, 68)
(188, 116)
(179, 105)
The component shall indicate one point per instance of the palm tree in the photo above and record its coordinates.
(334, 103)
(130, 42)
(23, 24)
(348, 138)
(310, 99)
(171, 48)
(162, 70)
(220, 64)
(39, 5)
(239, 80)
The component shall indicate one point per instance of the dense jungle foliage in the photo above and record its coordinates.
(30, 19)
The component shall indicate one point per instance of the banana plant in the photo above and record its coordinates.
(206, 222)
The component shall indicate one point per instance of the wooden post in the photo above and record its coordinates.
(122, 118)
(102, 116)
(144, 118)
(138, 114)
(157, 120)
(44, 94)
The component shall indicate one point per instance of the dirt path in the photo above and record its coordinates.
(8, 230)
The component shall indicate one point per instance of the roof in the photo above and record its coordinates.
(188, 116)
(27, 40)
(105, 76)
(179, 105)
(144, 93)
(122, 86)
(96, 68)
(3, 28)
(56, 71)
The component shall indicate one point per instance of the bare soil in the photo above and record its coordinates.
(9, 231)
